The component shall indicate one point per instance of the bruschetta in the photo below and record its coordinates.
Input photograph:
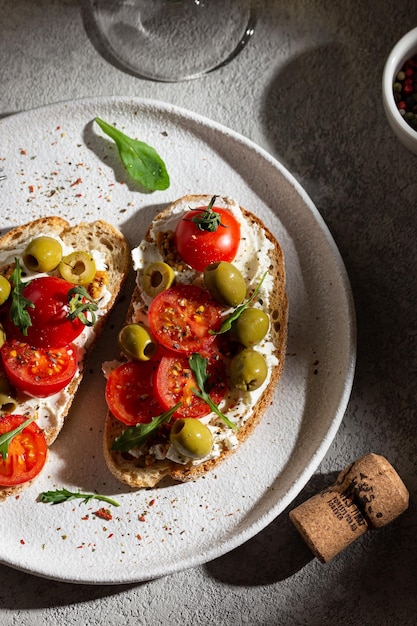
(204, 343)
(58, 285)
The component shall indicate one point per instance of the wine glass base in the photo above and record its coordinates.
(171, 40)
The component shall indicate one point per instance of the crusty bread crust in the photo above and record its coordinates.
(128, 470)
(107, 240)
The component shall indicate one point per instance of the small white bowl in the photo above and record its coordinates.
(403, 50)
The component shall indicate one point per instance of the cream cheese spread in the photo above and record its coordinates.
(51, 410)
(253, 261)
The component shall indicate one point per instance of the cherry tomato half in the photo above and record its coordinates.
(49, 316)
(27, 452)
(129, 393)
(180, 318)
(175, 380)
(39, 372)
(198, 248)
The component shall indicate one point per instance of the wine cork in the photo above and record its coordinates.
(367, 495)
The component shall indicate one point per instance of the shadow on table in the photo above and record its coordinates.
(274, 554)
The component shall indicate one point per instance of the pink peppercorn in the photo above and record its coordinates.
(405, 91)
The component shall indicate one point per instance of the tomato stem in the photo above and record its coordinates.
(208, 219)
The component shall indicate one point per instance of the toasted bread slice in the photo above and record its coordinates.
(112, 249)
(147, 471)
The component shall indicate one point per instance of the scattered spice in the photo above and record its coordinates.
(103, 514)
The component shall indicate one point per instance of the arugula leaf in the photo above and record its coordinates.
(18, 309)
(80, 303)
(135, 436)
(64, 495)
(6, 438)
(227, 323)
(141, 160)
(199, 366)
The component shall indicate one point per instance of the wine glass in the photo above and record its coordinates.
(171, 40)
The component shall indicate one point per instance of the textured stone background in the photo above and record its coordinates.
(308, 90)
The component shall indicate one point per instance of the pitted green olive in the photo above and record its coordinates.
(42, 254)
(78, 268)
(191, 438)
(248, 370)
(250, 327)
(157, 277)
(136, 343)
(225, 283)
(8, 402)
(5, 289)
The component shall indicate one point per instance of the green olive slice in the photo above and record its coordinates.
(42, 254)
(136, 343)
(191, 438)
(5, 289)
(78, 268)
(8, 402)
(2, 335)
(157, 277)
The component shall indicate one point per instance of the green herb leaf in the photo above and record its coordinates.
(135, 436)
(6, 439)
(208, 219)
(80, 302)
(18, 309)
(141, 160)
(199, 366)
(227, 323)
(63, 495)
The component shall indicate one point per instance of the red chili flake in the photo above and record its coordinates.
(58, 128)
(152, 502)
(22, 541)
(103, 514)
(23, 151)
(31, 189)
(85, 517)
(110, 536)
(76, 182)
(141, 518)
(78, 547)
(139, 537)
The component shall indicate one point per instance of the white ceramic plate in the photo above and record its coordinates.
(57, 162)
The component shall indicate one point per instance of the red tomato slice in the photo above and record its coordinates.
(198, 248)
(129, 393)
(49, 316)
(180, 318)
(27, 452)
(39, 372)
(175, 379)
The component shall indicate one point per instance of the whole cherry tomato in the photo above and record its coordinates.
(207, 235)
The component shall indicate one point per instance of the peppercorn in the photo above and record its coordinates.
(405, 91)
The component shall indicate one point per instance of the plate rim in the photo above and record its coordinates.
(247, 533)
